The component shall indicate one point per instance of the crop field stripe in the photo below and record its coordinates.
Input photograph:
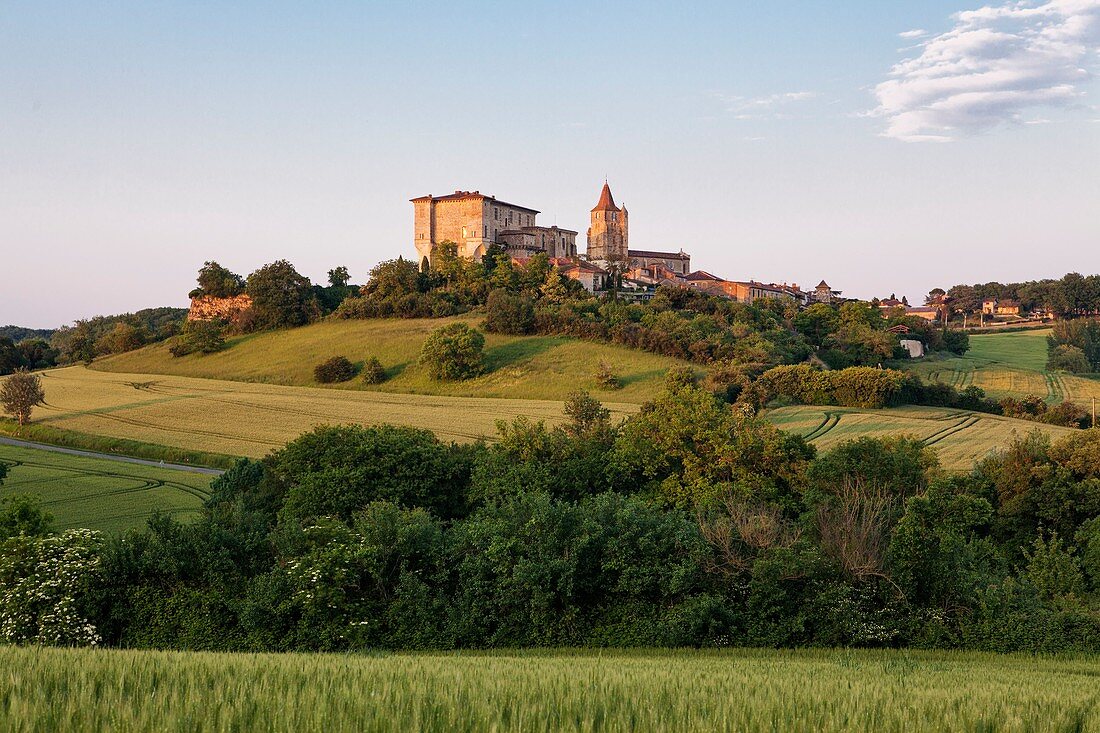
(964, 425)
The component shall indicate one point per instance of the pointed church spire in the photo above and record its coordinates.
(606, 202)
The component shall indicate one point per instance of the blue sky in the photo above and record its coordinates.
(780, 141)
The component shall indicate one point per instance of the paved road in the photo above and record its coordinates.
(107, 456)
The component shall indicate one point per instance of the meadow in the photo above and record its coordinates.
(959, 437)
(525, 367)
(249, 419)
(1009, 365)
(100, 494)
(742, 690)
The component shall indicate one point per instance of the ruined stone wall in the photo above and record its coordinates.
(207, 308)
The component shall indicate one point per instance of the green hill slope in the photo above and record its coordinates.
(1009, 365)
(519, 367)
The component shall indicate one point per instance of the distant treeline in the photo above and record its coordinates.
(1073, 295)
(87, 339)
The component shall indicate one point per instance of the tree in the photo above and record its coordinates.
(281, 297)
(21, 393)
(508, 313)
(339, 277)
(218, 282)
(454, 352)
(122, 338)
(203, 337)
(23, 516)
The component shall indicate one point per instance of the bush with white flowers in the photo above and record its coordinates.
(43, 581)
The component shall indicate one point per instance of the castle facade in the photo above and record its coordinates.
(475, 222)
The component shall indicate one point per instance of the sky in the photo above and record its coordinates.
(887, 147)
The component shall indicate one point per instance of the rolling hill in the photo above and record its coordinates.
(519, 367)
(1009, 365)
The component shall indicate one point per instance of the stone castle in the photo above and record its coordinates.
(475, 222)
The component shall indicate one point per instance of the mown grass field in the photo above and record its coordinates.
(519, 367)
(959, 437)
(747, 691)
(248, 419)
(100, 494)
(1009, 365)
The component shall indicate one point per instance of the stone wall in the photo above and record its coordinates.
(207, 308)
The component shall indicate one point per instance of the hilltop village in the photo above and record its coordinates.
(476, 222)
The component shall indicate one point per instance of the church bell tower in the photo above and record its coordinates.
(607, 235)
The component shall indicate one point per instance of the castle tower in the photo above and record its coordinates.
(607, 236)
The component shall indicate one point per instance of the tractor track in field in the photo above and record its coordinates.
(832, 419)
(955, 429)
(179, 431)
(148, 483)
(326, 416)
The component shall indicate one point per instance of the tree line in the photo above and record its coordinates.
(1071, 296)
(691, 523)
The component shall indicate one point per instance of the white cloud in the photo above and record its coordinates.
(918, 33)
(758, 108)
(995, 63)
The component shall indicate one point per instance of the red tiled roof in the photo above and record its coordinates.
(606, 203)
(701, 275)
(463, 195)
(658, 255)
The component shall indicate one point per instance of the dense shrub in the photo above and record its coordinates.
(199, 337)
(1066, 358)
(508, 313)
(690, 523)
(453, 352)
(336, 369)
(852, 387)
(606, 378)
(373, 371)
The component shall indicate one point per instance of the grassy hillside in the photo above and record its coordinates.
(1009, 365)
(960, 437)
(519, 367)
(243, 419)
(824, 691)
(100, 494)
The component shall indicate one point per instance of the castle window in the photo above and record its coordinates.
(485, 230)
(463, 232)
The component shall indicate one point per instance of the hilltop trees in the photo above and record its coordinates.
(216, 281)
(20, 394)
(281, 298)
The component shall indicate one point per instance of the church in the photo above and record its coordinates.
(475, 221)
(609, 241)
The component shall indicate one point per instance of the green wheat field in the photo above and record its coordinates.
(94, 493)
(747, 690)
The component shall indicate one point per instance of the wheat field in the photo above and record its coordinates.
(247, 419)
(749, 691)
